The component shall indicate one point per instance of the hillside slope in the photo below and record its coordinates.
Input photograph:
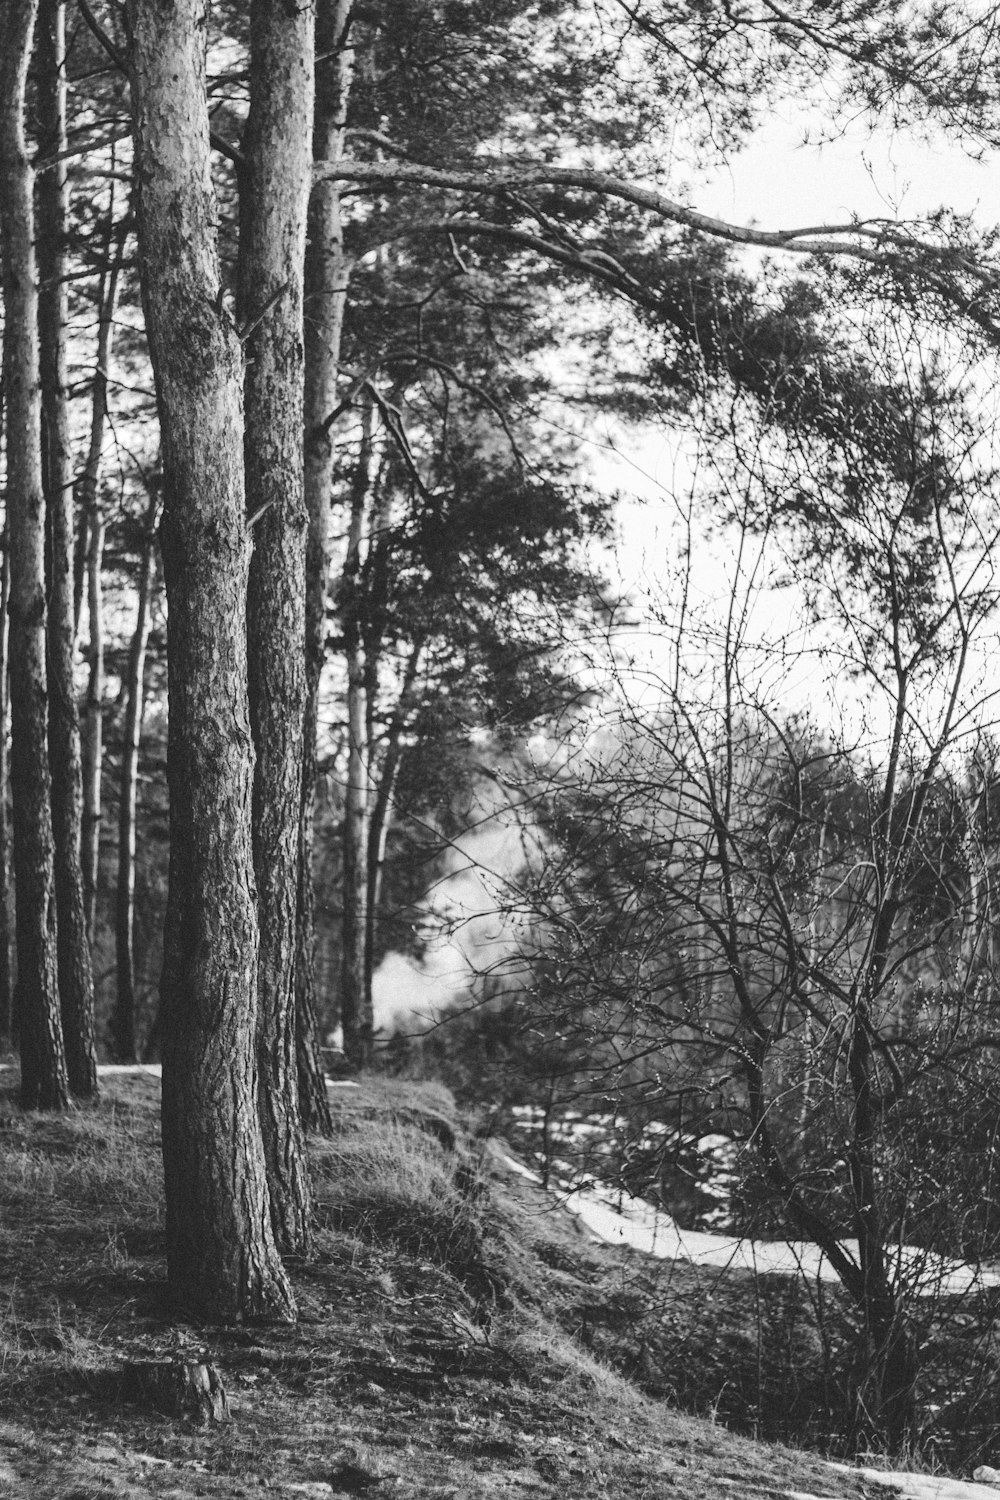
(427, 1361)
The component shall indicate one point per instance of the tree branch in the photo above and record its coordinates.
(870, 239)
(874, 242)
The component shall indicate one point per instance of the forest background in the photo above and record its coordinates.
(311, 313)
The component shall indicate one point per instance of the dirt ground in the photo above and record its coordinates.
(413, 1371)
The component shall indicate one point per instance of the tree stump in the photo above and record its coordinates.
(176, 1387)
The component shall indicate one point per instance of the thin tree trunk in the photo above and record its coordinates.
(92, 525)
(892, 1350)
(93, 738)
(44, 1084)
(76, 980)
(381, 812)
(79, 568)
(222, 1261)
(326, 279)
(355, 995)
(274, 196)
(7, 1024)
(314, 1104)
(122, 1023)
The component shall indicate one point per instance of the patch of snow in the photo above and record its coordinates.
(924, 1486)
(104, 1070)
(620, 1219)
(518, 1167)
(109, 1070)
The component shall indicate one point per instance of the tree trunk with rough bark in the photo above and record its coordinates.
(326, 276)
(44, 1083)
(122, 1024)
(222, 1260)
(76, 980)
(93, 723)
(7, 1022)
(274, 195)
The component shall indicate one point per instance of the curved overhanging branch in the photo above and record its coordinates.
(875, 240)
(946, 270)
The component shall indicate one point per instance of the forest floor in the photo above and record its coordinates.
(433, 1357)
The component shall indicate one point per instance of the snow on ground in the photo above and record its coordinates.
(924, 1486)
(911, 1486)
(517, 1167)
(104, 1070)
(622, 1220)
(619, 1219)
(108, 1070)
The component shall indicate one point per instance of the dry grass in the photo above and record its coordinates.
(89, 1160)
(425, 1361)
(121, 1177)
(392, 1184)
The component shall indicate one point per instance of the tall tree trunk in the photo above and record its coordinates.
(326, 278)
(92, 529)
(274, 196)
(44, 1084)
(355, 994)
(7, 1025)
(76, 980)
(222, 1260)
(93, 737)
(122, 1024)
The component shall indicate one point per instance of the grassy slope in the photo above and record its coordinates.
(426, 1363)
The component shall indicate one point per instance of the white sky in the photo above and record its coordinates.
(781, 183)
(785, 178)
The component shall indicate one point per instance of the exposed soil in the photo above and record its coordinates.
(412, 1372)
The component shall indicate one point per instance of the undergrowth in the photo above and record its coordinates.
(436, 1276)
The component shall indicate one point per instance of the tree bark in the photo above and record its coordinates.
(355, 994)
(76, 980)
(44, 1083)
(93, 737)
(122, 1023)
(92, 528)
(326, 278)
(7, 1022)
(176, 1388)
(222, 1261)
(274, 196)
